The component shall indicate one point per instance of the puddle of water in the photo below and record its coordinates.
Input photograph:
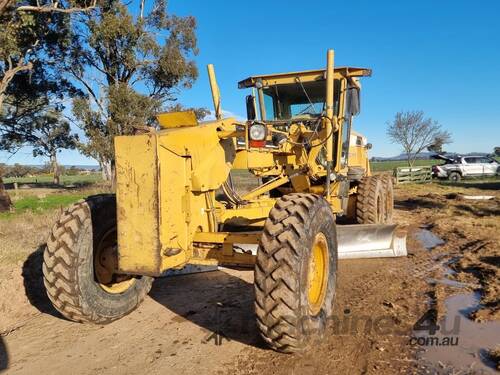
(452, 283)
(446, 266)
(428, 239)
(469, 340)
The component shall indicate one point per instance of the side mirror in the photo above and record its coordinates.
(368, 146)
(353, 101)
(251, 110)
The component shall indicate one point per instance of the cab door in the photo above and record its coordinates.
(472, 166)
(490, 166)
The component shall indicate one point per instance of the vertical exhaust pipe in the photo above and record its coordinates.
(329, 114)
(215, 91)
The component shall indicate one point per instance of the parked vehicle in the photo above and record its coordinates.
(457, 167)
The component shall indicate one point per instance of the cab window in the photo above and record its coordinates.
(300, 100)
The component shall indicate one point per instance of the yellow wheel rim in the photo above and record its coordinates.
(317, 277)
(105, 264)
(119, 287)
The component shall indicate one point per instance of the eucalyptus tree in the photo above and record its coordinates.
(130, 66)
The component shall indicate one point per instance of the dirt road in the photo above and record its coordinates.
(177, 328)
(170, 333)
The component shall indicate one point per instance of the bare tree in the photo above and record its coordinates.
(415, 133)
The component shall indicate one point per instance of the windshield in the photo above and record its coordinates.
(297, 100)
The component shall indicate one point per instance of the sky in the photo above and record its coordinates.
(441, 57)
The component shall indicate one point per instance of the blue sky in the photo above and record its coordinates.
(442, 57)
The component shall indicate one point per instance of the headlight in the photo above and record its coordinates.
(257, 132)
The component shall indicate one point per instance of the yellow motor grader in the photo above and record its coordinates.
(176, 204)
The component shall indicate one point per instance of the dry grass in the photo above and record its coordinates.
(26, 229)
(24, 234)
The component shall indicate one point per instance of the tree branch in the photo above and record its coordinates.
(54, 8)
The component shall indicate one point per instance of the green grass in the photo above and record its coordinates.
(40, 204)
(381, 166)
(65, 179)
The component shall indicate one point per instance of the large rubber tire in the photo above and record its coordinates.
(454, 176)
(370, 202)
(68, 265)
(282, 306)
(389, 198)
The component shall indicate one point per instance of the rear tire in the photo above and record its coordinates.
(69, 266)
(295, 272)
(371, 201)
(454, 176)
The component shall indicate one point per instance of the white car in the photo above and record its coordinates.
(455, 168)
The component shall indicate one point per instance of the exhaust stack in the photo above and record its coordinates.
(215, 91)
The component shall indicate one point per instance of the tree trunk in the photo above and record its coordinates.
(106, 170)
(112, 171)
(409, 160)
(103, 170)
(5, 202)
(55, 168)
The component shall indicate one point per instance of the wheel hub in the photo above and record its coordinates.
(106, 265)
(318, 274)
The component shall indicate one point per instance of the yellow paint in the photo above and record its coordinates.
(170, 120)
(317, 274)
(305, 76)
(215, 91)
(120, 287)
(167, 180)
(358, 154)
(137, 204)
(227, 237)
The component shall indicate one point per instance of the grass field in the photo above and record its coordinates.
(36, 201)
(382, 166)
(40, 204)
(65, 179)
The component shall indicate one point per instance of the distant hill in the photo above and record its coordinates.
(423, 156)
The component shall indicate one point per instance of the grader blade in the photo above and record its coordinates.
(370, 241)
(362, 241)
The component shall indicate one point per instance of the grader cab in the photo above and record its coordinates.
(176, 204)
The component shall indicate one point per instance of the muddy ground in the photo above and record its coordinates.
(177, 328)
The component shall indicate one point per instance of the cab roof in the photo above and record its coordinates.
(305, 76)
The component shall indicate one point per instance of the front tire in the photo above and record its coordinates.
(295, 272)
(80, 253)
